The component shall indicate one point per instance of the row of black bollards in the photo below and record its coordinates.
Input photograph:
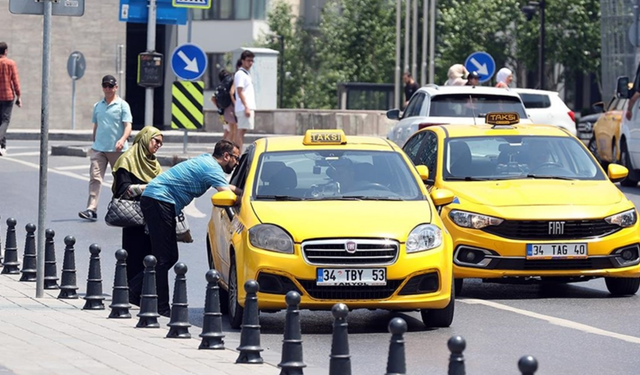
(212, 337)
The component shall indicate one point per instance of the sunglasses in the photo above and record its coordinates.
(235, 157)
(105, 85)
(157, 141)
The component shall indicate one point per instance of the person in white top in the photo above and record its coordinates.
(245, 98)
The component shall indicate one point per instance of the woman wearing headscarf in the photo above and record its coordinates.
(504, 78)
(132, 172)
(456, 75)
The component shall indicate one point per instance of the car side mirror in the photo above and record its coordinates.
(423, 171)
(617, 172)
(622, 87)
(441, 197)
(225, 198)
(393, 114)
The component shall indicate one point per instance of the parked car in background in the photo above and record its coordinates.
(546, 107)
(606, 132)
(438, 105)
(584, 127)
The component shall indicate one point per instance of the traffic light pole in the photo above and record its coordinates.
(151, 47)
(541, 5)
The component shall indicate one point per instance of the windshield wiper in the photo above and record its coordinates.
(549, 177)
(335, 198)
(372, 198)
(279, 197)
(468, 178)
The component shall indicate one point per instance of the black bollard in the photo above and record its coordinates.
(120, 300)
(29, 257)
(396, 364)
(291, 361)
(10, 263)
(212, 336)
(68, 286)
(149, 298)
(50, 269)
(456, 345)
(250, 329)
(94, 295)
(340, 359)
(179, 320)
(527, 365)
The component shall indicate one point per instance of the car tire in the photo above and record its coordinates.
(223, 295)
(440, 318)
(625, 160)
(458, 283)
(234, 308)
(619, 286)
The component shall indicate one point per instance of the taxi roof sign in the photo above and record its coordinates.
(502, 118)
(324, 137)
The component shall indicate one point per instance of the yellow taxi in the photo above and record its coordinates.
(606, 143)
(337, 219)
(531, 204)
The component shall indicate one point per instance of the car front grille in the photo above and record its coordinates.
(551, 265)
(350, 292)
(351, 251)
(540, 229)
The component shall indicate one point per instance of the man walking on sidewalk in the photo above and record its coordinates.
(245, 98)
(9, 93)
(111, 128)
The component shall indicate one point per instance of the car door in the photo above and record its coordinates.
(226, 220)
(422, 149)
(604, 131)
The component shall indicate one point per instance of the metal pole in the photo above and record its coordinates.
(44, 147)
(185, 137)
(281, 38)
(542, 37)
(397, 90)
(414, 41)
(407, 22)
(73, 103)
(151, 46)
(119, 70)
(432, 42)
(425, 24)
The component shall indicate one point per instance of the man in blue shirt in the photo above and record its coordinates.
(111, 128)
(165, 197)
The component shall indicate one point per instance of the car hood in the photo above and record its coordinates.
(529, 192)
(322, 219)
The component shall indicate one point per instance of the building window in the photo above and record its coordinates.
(233, 10)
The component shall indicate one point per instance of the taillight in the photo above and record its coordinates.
(572, 115)
(427, 124)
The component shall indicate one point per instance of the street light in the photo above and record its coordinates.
(529, 10)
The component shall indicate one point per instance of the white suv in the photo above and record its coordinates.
(436, 105)
(546, 107)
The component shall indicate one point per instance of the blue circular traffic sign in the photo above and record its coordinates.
(481, 63)
(188, 62)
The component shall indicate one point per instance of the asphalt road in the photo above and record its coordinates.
(570, 329)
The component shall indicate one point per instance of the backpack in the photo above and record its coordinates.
(222, 95)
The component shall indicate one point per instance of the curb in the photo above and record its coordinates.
(83, 151)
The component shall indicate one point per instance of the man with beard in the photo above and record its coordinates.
(165, 197)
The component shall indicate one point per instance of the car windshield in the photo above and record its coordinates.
(515, 157)
(474, 105)
(334, 174)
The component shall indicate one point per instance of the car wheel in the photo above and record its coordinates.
(458, 283)
(592, 146)
(440, 318)
(234, 308)
(223, 295)
(619, 286)
(625, 160)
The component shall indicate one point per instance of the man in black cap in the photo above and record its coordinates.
(473, 79)
(111, 127)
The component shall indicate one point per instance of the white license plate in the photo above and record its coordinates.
(557, 251)
(351, 276)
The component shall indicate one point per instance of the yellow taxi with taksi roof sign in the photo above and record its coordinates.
(531, 203)
(338, 219)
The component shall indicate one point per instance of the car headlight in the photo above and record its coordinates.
(424, 237)
(623, 219)
(271, 237)
(471, 220)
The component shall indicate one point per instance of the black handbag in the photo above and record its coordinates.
(124, 213)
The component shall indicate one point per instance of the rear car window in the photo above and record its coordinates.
(535, 100)
(474, 105)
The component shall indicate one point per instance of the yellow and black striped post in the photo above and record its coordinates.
(187, 105)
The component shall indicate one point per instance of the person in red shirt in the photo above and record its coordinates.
(9, 93)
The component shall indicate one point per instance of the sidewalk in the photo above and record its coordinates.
(52, 336)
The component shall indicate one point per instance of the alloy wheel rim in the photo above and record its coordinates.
(233, 292)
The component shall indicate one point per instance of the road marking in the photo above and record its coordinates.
(24, 153)
(52, 170)
(553, 320)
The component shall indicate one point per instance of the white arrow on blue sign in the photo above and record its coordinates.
(482, 63)
(188, 62)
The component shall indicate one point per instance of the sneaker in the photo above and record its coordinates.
(3, 151)
(89, 215)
